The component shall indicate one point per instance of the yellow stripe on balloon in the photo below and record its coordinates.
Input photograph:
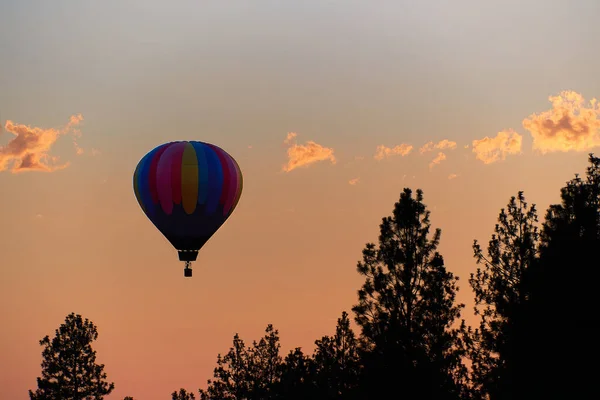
(189, 179)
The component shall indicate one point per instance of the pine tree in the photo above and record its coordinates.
(336, 363)
(264, 365)
(501, 293)
(563, 321)
(69, 369)
(406, 310)
(247, 373)
(297, 377)
(182, 395)
(230, 380)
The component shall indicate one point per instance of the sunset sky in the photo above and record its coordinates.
(330, 108)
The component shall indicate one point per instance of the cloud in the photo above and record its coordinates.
(441, 145)
(569, 126)
(438, 159)
(490, 150)
(353, 181)
(303, 155)
(383, 151)
(290, 136)
(452, 176)
(74, 121)
(28, 150)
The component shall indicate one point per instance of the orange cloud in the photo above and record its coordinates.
(490, 150)
(383, 151)
(28, 150)
(441, 145)
(452, 176)
(74, 121)
(569, 126)
(353, 181)
(290, 136)
(303, 155)
(438, 159)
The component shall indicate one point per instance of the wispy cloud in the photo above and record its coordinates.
(354, 181)
(290, 137)
(303, 155)
(384, 152)
(74, 121)
(28, 150)
(570, 125)
(490, 150)
(452, 176)
(441, 145)
(438, 159)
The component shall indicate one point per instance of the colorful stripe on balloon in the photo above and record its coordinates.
(190, 174)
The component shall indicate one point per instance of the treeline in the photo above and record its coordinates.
(536, 295)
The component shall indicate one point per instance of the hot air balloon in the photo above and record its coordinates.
(187, 189)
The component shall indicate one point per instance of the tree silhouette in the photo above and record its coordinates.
(69, 369)
(259, 373)
(500, 293)
(230, 375)
(406, 310)
(264, 365)
(336, 363)
(297, 374)
(247, 373)
(182, 395)
(563, 319)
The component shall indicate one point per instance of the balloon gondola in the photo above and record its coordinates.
(187, 189)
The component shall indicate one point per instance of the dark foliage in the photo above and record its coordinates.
(69, 369)
(247, 372)
(336, 364)
(501, 292)
(182, 395)
(563, 327)
(407, 310)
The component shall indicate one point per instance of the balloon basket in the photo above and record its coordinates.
(187, 271)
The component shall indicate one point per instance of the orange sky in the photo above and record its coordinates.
(328, 123)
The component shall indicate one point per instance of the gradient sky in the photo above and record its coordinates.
(88, 87)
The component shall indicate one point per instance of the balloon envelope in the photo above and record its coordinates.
(187, 189)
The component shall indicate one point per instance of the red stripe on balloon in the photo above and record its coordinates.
(176, 172)
(152, 183)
